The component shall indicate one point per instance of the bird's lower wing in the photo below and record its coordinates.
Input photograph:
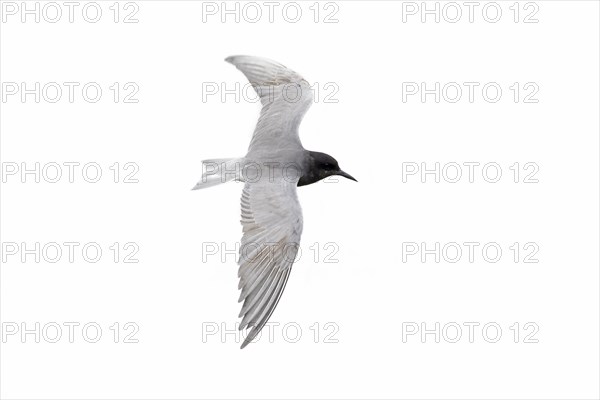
(272, 226)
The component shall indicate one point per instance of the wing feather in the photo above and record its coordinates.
(285, 96)
(271, 213)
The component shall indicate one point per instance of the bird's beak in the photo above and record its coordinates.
(345, 175)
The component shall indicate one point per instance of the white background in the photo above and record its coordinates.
(172, 295)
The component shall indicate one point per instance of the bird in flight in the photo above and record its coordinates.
(275, 164)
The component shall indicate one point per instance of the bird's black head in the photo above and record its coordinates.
(320, 166)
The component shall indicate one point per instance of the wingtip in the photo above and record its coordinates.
(246, 341)
(234, 60)
(231, 59)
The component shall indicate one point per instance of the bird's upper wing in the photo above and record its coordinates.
(272, 226)
(285, 97)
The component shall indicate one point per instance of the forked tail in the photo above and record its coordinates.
(220, 170)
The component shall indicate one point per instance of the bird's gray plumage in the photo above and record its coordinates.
(271, 214)
(285, 97)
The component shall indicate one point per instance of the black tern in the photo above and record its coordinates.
(276, 163)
